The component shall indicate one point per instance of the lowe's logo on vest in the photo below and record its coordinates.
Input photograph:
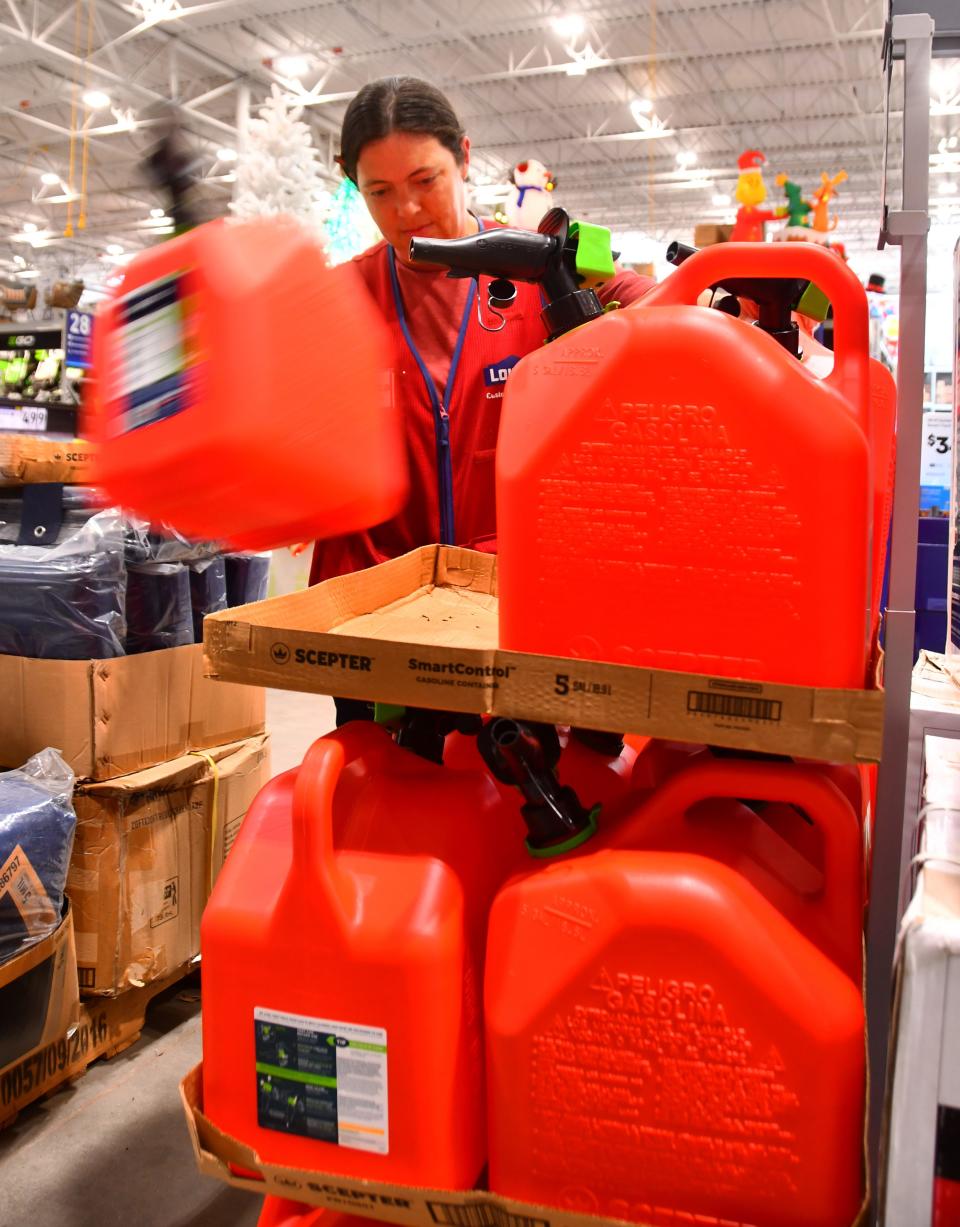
(496, 373)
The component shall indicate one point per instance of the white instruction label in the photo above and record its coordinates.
(322, 1079)
(153, 382)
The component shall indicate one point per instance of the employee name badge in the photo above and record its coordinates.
(154, 353)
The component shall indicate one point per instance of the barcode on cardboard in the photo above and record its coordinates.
(737, 706)
(479, 1215)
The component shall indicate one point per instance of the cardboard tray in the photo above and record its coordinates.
(39, 999)
(215, 1151)
(421, 630)
(100, 1028)
(38, 458)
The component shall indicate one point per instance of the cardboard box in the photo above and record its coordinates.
(422, 630)
(707, 234)
(101, 1027)
(110, 717)
(922, 1142)
(35, 458)
(217, 1155)
(146, 849)
(38, 993)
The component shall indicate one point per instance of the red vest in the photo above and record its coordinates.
(451, 483)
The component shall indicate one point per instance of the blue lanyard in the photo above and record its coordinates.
(441, 409)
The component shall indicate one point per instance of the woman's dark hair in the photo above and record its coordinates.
(397, 104)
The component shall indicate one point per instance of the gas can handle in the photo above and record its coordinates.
(313, 853)
(790, 784)
(710, 265)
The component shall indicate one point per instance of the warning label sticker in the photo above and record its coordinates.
(322, 1079)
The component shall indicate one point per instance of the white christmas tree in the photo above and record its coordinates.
(278, 171)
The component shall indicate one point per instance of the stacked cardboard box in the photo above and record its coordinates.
(147, 849)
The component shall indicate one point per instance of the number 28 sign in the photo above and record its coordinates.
(79, 339)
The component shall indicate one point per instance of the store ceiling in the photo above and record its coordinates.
(799, 79)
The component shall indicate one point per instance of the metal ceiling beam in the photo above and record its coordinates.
(54, 53)
(209, 60)
(529, 25)
(669, 57)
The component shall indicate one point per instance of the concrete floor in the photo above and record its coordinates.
(112, 1150)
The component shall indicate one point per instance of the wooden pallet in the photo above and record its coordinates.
(106, 1026)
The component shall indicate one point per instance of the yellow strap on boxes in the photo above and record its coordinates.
(214, 817)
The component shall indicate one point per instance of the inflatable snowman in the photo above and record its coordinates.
(531, 196)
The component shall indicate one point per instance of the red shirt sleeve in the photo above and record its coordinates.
(625, 288)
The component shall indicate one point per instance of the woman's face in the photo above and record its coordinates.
(413, 186)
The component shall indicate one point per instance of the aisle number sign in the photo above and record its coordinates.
(79, 339)
(936, 461)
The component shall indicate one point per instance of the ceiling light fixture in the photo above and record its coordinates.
(29, 227)
(157, 213)
(159, 10)
(96, 99)
(231, 177)
(226, 155)
(114, 249)
(569, 25)
(640, 107)
(49, 178)
(292, 65)
(686, 157)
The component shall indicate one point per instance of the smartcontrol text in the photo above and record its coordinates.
(459, 667)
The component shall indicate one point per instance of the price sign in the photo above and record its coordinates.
(23, 417)
(936, 460)
(79, 339)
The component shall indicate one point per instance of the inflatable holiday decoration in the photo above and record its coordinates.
(530, 199)
(751, 192)
(797, 207)
(822, 197)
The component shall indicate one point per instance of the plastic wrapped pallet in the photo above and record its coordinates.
(208, 591)
(159, 610)
(247, 576)
(37, 824)
(66, 601)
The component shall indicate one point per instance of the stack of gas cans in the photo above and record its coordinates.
(662, 1020)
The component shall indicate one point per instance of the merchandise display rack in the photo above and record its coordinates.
(48, 416)
(913, 37)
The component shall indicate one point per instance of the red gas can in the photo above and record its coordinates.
(677, 1033)
(343, 951)
(241, 390)
(684, 461)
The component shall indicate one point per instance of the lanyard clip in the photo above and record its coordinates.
(501, 294)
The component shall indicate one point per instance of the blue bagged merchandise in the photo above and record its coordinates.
(37, 824)
(208, 591)
(247, 576)
(159, 610)
(66, 601)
